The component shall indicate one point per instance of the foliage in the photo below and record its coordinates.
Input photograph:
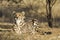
(34, 6)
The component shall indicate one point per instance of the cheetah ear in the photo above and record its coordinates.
(23, 12)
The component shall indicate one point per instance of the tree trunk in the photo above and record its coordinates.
(49, 14)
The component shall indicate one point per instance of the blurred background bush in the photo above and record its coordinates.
(33, 9)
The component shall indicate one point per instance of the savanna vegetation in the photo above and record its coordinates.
(47, 12)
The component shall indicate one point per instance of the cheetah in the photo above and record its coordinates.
(22, 26)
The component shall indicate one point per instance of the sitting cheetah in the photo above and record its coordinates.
(22, 26)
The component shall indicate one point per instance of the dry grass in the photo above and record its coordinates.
(37, 36)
